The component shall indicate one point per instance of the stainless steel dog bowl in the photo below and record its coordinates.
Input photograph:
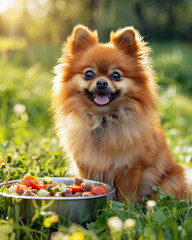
(70, 209)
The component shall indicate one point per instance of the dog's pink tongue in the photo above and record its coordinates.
(101, 99)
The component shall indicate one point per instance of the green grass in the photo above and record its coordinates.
(28, 143)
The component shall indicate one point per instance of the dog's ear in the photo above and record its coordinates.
(81, 39)
(126, 39)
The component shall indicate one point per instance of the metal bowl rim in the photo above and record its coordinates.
(112, 190)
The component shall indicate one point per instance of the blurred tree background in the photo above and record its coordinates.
(52, 20)
(31, 36)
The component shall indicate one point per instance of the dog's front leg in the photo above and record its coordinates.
(126, 182)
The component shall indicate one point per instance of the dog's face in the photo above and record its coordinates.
(104, 77)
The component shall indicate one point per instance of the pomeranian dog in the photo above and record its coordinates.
(105, 114)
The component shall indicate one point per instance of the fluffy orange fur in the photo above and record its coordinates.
(130, 150)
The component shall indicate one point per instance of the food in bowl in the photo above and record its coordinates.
(80, 210)
(31, 186)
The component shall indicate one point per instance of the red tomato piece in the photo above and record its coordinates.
(75, 188)
(31, 181)
(97, 190)
(27, 181)
(18, 186)
(36, 184)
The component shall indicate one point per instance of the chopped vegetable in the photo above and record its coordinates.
(31, 181)
(13, 189)
(18, 187)
(27, 181)
(50, 184)
(37, 184)
(31, 186)
(97, 190)
(54, 190)
(75, 188)
(63, 187)
(47, 180)
(49, 188)
(43, 192)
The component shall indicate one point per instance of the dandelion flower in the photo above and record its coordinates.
(151, 204)
(115, 224)
(129, 224)
(19, 108)
(77, 236)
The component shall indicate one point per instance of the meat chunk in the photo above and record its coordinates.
(78, 181)
(21, 191)
(34, 191)
(78, 194)
(67, 193)
(28, 192)
(86, 187)
(87, 194)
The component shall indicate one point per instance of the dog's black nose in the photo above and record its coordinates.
(102, 84)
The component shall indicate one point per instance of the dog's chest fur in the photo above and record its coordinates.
(102, 144)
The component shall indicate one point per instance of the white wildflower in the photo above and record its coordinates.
(129, 224)
(115, 224)
(150, 204)
(19, 108)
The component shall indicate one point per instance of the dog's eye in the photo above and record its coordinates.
(89, 75)
(115, 76)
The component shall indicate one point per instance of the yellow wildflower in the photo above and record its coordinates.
(77, 236)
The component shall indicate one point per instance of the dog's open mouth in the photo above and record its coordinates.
(102, 99)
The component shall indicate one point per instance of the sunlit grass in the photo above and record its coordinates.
(176, 114)
(11, 44)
